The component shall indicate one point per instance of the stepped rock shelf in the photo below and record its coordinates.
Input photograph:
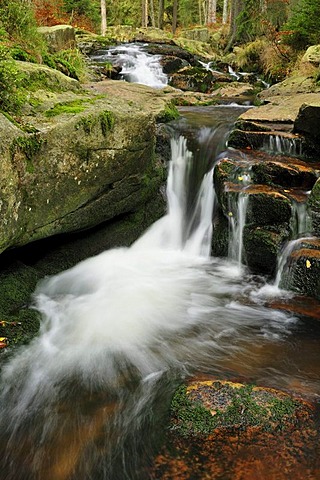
(281, 144)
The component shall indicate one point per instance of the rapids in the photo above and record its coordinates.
(137, 66)
(89, 396)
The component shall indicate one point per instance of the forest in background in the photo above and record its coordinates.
(296, 20)
(264, 36)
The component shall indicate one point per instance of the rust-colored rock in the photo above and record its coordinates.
(248, 446)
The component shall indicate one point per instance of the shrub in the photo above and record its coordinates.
(10, 99)
(303, 28)
(18, 20)
(249, 56)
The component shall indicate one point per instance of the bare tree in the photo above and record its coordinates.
(225, 11)
(153, 20)
(212, 12)
(200, 11)
(161, 12)
(235, 9)
(103, 17)
(144, 21)
(263, 6)
(174, 16)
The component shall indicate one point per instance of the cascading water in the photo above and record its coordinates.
(238, 203)
(280, 145)
(85, 399)
(301, 226)
(237, 225)
(301, 220)
(137, 66)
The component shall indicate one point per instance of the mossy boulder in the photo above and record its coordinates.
(314, 207)
(262, 245)
(59, 37)
(88, 160)
(35, 78)
(201, 34)
(221, 429)
(267, 206)
(302, 270)
(195, 79)
(198, 79)
(308, 120)
(171, 64)
(284, 171)
(312, 55)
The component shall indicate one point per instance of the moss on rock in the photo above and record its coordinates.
(204, 406)
(262, 246)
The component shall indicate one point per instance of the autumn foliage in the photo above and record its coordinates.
(53, 12)
(49, 12)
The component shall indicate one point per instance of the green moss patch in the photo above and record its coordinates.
(18, 323)
(74, 107)
(169, 113)
(106, 120)
(202, 407)
(29, 145)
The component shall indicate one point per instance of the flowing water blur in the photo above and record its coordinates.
(137, 66)
(88, 398)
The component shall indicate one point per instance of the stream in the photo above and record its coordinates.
(89, 397)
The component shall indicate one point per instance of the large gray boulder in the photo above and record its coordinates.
(89, 159)
(59, 37)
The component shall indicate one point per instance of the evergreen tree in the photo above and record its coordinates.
(304, 24)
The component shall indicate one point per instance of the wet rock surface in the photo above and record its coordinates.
(302, 269)
(224, 430)
(275, 186)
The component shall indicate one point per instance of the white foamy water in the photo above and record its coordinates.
(116, 328)
(137, 65)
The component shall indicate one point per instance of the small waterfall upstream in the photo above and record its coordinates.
(137, 66)
(281, 145)
(88, 398)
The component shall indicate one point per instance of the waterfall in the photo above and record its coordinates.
(280, 145)
(301, 220)
(188, 224)
(283, 260)
(238, 204)
(137, 66)
(301, 226)
(237, 225)
(87, 397)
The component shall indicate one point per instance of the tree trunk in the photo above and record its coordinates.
(236, 8)
(212, 12)
(263, 6)
(205, 10)
(103, 17)
(144, 21)
(174, 16)
(225, 12)
(153, 21)
(161, 12)
(200, 12)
